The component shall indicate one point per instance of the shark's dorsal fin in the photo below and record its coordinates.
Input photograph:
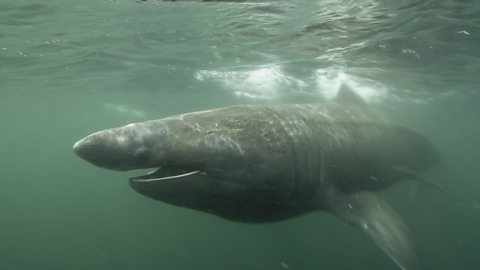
(347, 96)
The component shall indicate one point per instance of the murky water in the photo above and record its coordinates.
(69, 68)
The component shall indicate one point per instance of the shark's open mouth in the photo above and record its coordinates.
(164, 174)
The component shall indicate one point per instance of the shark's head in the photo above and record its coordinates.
(166, 143)
(197, 163)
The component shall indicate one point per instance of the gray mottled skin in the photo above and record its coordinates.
(272, 162)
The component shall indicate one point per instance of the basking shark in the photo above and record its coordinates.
(263, 163)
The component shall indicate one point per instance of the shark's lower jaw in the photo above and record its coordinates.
(162, 174)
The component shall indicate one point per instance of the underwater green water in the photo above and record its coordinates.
(70, 68)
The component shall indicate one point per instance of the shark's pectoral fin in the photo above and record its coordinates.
(377, 219)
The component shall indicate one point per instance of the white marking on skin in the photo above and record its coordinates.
(120, 139)
(324, 114)
(178, 117)
(231, 143)
(275, 131)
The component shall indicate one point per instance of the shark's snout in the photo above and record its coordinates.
(81, 147)
(122, 150)
(88, 150)
(96, 150)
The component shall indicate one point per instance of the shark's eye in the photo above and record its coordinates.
(141, 153)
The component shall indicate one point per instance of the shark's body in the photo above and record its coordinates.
(265, 163)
